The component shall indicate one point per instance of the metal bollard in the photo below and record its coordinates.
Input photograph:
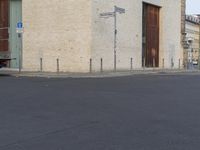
(163, 63)
(179, 63)
(144, 63)
(131, 64)
(101, 69)
(186, 64)
(154, 63)
(58, 65)
(172, 63)
(90, 65)
(41, 64)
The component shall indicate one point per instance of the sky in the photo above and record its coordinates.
(193, 7)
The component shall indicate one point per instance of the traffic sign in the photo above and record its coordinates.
(19, 27)
(19, 30)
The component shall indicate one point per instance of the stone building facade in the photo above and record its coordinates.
(71, 36)
(192, 47)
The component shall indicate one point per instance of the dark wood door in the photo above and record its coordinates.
(151, 17)
(4, 23)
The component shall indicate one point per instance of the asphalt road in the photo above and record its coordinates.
(156, 112)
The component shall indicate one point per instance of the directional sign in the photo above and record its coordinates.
(119, 10)
(107, 14)
(114, 15)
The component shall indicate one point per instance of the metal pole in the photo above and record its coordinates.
(101, 69)
(41, 65)
(58, 66)
(144, 63)
(163, 63)
(179, 63)
(131, 64)
(172, 63)
(90, 65)
(115, 40)
(20, 52)
(114, 15)
(154, 63)
(186, 63)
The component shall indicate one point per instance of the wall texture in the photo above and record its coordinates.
(57, 29)
(129, 38)
(74, 32)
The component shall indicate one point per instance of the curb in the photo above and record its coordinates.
(97, 74)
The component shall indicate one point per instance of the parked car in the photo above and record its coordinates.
(195, 62)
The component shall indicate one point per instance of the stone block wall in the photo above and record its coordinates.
(57, 29)
(73, 32)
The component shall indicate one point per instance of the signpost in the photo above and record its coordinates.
(19, 31)
(114, 15)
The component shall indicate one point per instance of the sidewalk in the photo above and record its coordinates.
(15, 72)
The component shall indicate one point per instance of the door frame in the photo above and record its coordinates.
(15, 41)
(150, 55)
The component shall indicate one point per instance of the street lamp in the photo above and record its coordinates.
(114, 15)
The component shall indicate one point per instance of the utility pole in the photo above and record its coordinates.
(114, 15)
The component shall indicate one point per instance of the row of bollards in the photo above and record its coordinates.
(101, 64)
(144, 64)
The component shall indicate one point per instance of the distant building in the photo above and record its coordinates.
(192, 47)
(71, 36)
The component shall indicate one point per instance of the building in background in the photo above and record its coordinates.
(71, 36)
(192, 47)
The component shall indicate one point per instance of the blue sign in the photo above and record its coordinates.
(19, 25)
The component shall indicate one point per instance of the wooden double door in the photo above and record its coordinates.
(150, 35)
(10, 14)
